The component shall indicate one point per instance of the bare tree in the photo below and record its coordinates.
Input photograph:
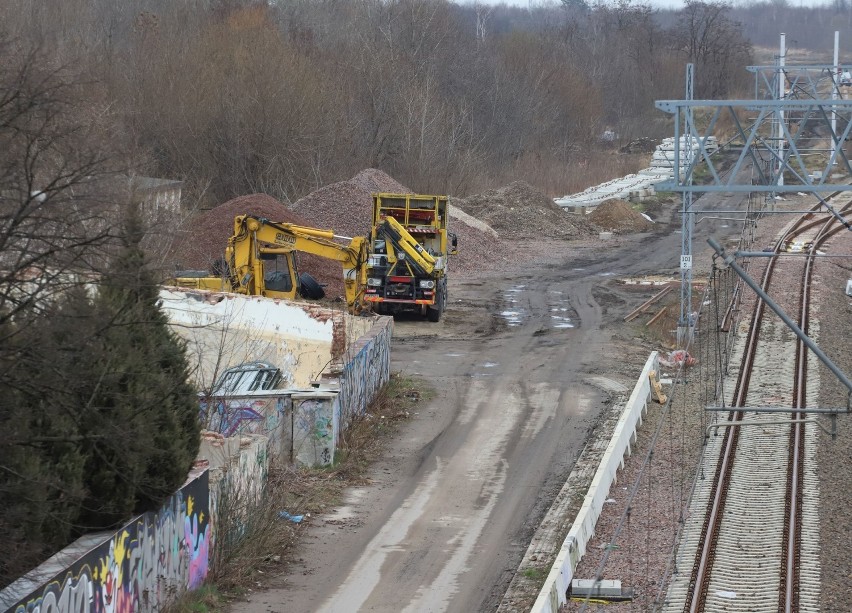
(56, 181)
(707, 36)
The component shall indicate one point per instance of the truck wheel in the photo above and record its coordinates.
(309, 287)
(433, 313)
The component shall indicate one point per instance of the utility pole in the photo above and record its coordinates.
(682, 164)
(835, 93)
(782, 94)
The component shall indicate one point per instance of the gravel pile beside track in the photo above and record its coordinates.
(618, 216)
(519, 210)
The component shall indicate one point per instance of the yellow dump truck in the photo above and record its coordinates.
(409, 246)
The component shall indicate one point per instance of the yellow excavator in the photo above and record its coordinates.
(259, 261)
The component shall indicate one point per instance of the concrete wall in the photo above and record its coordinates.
(304, 425)
(225, 330)
(139, 567)
(365, 369)
(240, 462)
(553, 593)
(238, 468)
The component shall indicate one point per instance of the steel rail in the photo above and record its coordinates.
(789, 592)
(705, 555)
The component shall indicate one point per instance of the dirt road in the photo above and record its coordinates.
(451, 508)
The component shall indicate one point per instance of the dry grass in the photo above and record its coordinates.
(557, 178)
(205, 599)
(260, 542)
(663, 332)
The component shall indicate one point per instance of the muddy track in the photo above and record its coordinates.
(452, 507)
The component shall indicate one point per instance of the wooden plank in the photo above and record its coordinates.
(657, 316)
(641, 308)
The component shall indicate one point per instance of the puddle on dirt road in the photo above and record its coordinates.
(514, 315)
(559, 317)
(560, 311)
(562, 322)
(513, 318)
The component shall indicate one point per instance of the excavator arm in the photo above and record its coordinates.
(256, 241)
(255, 237)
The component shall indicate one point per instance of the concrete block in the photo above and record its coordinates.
(605, 236)
(587, 587)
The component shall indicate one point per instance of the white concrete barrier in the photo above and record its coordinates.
(553, 593)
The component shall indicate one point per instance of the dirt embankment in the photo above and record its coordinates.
(618, 216)
(518, 210)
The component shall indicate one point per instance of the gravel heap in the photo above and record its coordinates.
(347, 208)
(619, 217)
(374, 180)
(205, 242)
(519, 210)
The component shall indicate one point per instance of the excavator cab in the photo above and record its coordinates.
(277, 272)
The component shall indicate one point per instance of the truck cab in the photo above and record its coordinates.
(409, 247)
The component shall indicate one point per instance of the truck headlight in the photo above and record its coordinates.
(374, 281)
(426, 283)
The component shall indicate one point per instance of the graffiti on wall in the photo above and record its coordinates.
(364, 374)
(306, 430)
(229, 417)
(145, 563)
(314, 430)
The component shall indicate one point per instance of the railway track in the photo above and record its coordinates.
(750, 543)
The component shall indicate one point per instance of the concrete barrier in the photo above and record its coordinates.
(553, 593)
(142, 566)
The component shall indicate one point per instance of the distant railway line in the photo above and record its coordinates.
(755, 547)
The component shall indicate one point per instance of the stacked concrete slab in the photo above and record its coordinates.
(664, 156)
(637, 187)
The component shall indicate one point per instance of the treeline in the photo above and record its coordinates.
(235, 97)
(808, 28)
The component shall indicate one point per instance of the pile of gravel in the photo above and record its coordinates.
(519, 210)
(375, 181)
(347, 208)
(205, 237)
(619, 216)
